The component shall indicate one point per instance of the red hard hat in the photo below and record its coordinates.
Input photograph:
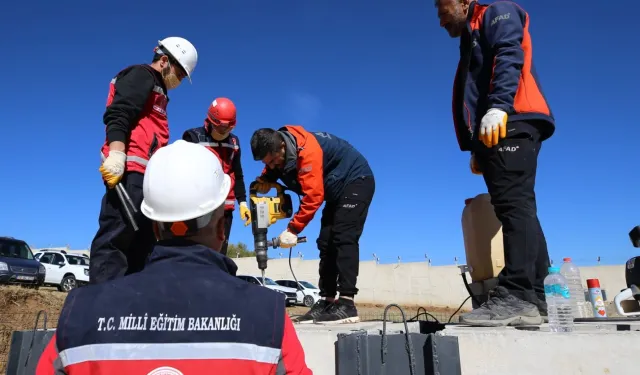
(222, 112)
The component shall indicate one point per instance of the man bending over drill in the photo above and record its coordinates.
(186, 312)
(322, 168)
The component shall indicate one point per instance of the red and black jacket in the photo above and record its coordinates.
(136, 114)
(229, 153)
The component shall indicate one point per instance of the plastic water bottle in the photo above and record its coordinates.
(571, 273)
(558, 298)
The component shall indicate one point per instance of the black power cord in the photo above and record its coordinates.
(296, 279)
(298, 288)
(458, 309)
(425, 313)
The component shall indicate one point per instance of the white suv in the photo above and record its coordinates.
(64, 271)
(268, 283)
(307, 293)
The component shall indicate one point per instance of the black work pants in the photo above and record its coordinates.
(509, 170)
(117, 250)
(228, 220)
(341, 226)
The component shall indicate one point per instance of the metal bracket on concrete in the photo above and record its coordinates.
(27, 347)
(396, 352)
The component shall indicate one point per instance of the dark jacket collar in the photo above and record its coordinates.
(291, 150)
(189, 252)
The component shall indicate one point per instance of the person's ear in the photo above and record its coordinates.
(164, 61)
(220, 229)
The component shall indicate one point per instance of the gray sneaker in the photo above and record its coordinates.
(314, 312)
(502, 309)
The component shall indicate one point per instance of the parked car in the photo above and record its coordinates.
(64, 271)
(307, 293)
(18, 264)
(269, 283)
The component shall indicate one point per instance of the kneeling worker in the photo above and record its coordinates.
(185, 312)
(216, 136)
(322, 168)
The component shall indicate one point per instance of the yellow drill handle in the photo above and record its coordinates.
(274, 185)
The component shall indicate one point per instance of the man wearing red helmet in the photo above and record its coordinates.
(216, 136)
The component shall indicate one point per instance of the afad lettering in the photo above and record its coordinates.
(508, 148)
(500, 18)
(164, 322)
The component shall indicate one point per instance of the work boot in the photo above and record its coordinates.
(313, 312)
(542, 306)
(542, 309)
(341, 311)
(503, 309)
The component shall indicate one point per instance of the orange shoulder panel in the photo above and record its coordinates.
(529, 97)
(310, 176)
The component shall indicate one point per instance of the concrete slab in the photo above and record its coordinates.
(593, 348)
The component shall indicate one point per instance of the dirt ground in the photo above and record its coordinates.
(20, 306)
(18, 310)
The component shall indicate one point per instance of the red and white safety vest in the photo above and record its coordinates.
(149, 134)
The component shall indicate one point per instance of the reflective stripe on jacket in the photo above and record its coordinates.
(186, 312)
(226, 151)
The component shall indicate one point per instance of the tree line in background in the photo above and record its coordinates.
(239, 250)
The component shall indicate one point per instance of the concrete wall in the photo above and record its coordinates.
(413, 283)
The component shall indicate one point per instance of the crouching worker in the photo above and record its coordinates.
(186, 312)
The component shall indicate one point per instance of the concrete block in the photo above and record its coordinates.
(593, 348)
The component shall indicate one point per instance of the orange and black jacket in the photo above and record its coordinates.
(318, 166)
(496, 70)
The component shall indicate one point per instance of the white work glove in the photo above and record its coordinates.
(493, 127)
(112, 168)
(288, 239)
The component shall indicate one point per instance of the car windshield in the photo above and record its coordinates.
(15, 249)
(268, 281)
(78, 261)
(307, 285)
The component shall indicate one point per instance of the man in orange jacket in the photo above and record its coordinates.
(323, 168)
(501, 117)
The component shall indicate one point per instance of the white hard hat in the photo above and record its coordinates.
(183, 181)
(183, 51)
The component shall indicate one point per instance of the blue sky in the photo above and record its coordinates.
(378, 74)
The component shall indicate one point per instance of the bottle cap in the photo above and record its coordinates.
(554, 270)
(593, 283)
(566, 259)
(467, 201)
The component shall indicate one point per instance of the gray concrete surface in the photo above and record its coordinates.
(591, 349)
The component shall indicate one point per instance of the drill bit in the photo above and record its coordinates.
(263, 284)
